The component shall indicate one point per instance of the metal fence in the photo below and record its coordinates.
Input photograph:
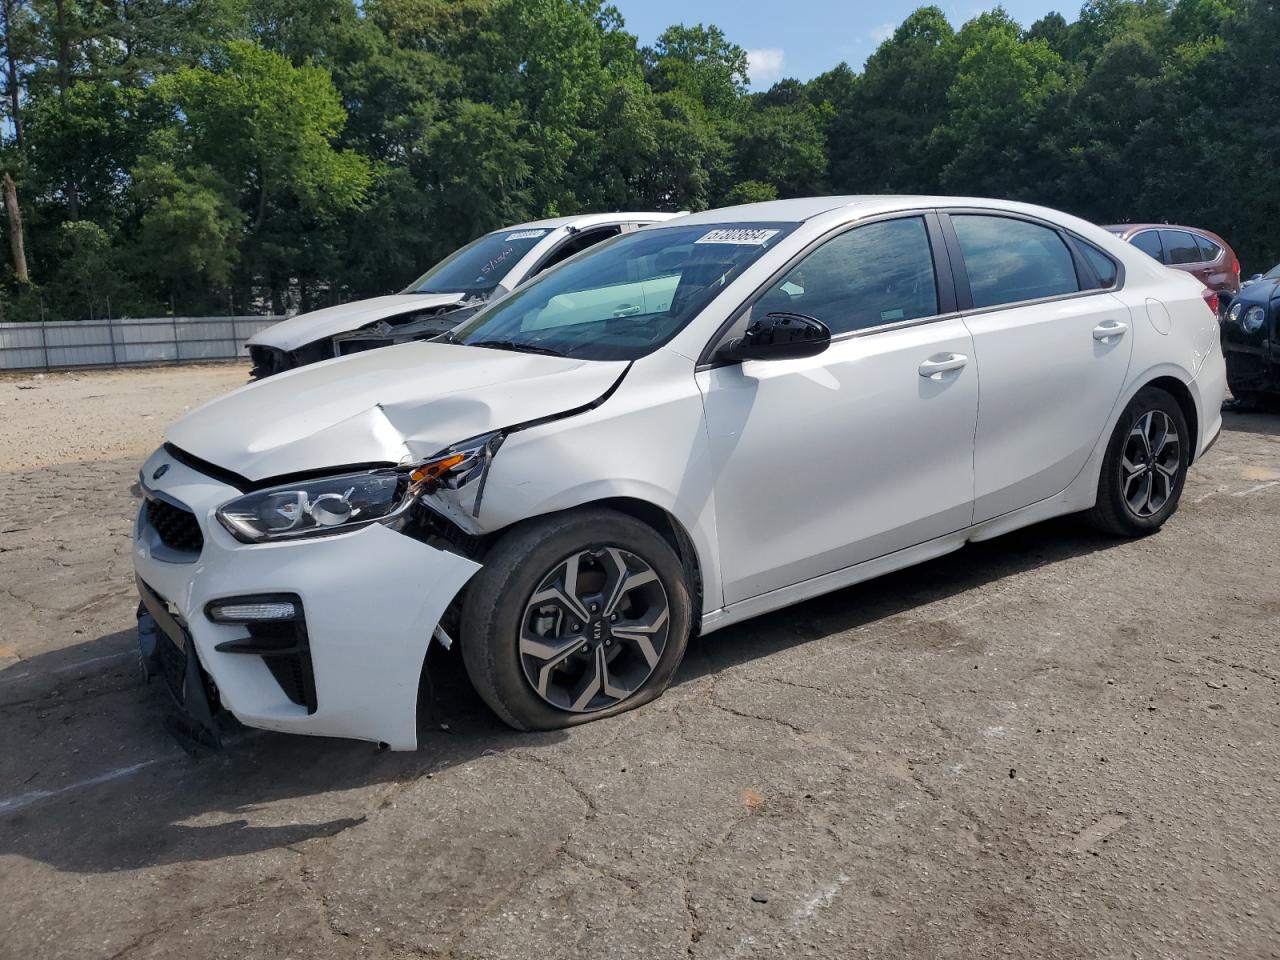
(119, 343)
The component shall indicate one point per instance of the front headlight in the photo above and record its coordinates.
(1234, 313)
(1253, 319)
(347, 502)
(315, 507)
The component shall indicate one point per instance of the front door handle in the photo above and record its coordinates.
(935, 367)
(1108, 329)
(626, 310)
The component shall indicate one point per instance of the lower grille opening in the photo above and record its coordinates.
(283, 646)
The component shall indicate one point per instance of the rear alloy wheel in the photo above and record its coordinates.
(1150, 463)
(573, 617)
(1145, 466)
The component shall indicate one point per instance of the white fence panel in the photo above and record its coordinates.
(110, 343)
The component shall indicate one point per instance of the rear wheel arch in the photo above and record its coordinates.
(1186, 402)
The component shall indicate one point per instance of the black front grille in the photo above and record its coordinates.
(176, 527)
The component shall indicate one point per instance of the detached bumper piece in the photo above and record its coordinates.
(277, 631)
(198, 721)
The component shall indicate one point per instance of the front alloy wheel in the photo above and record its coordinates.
(594, 630)
(575, 616)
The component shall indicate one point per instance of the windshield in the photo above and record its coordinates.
(481, 264)
(1273, 273)
(622, 299)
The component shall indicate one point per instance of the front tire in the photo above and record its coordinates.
(575, 616)
(1145, 466)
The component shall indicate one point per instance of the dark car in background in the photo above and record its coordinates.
(1251, 340)
(1199, 252)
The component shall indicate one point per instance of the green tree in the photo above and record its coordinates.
(187, 243)
(267, 129)
(1004, 104)
(878, 135)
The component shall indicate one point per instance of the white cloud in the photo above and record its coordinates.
(883, 32)
(764, 66)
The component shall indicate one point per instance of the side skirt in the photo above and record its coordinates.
(1054, 506)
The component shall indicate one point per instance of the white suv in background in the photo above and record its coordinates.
(487, 268)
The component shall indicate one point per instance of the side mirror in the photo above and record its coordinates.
(780, 336)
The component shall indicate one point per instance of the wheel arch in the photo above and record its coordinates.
(1186, 402)
(669, 527)
(658, 518)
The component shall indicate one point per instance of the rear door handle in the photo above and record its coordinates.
(1108, 329)
(935, 367)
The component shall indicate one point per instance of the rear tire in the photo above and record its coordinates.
(575, 616)
(1145, 466)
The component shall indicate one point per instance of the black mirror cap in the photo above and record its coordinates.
(781, 336)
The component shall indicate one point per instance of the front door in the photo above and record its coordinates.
(865, 449)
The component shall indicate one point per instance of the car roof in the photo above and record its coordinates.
(591, 219)
(807, 208)
(1124, 229)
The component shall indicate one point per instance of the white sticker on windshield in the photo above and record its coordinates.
(524, 235)
(748, 236)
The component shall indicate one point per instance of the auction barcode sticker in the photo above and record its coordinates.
(748, 236)
(524, 235)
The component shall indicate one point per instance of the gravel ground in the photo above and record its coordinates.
(48, 419)
(1048, 745)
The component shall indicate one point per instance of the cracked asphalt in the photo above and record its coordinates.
(1048, 745)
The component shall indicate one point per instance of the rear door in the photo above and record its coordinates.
(1052, 347)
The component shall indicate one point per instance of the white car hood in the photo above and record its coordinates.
(321, 324)
(397, 404)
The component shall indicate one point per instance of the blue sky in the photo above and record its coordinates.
(801, 38)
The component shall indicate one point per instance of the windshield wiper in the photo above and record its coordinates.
(515, 346)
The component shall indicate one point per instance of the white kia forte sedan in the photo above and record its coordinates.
(818, 391)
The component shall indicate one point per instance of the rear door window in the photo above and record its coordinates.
(1149, 243)
(1209, 251)
(1179, 247)
(1009, 261)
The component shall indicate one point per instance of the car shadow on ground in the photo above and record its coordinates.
(1263, 421)
(167, 808)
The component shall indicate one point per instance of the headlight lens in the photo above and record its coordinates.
(1253, 319)
(338, 504)
(315, 507)
(1234, 313)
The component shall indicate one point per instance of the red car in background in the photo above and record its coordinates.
(1199, 252)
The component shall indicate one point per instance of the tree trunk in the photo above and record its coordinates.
(16, 243)
(64, 83)
(11, 75)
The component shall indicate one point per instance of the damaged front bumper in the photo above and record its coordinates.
(368, 604)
